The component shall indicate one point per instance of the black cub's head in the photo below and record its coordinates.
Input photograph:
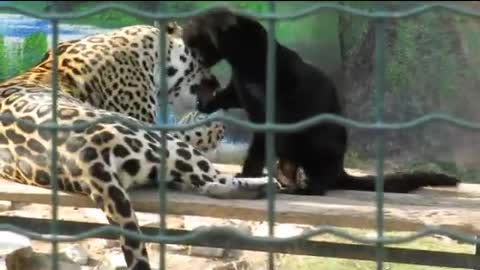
(220, 33)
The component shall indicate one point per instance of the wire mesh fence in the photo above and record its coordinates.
(161, 18)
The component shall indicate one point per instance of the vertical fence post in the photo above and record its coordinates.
(54, 131)
(161, 109)
(477, 251)
(379, 70)
(270, 118)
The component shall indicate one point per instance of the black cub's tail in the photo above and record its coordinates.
(397, 182)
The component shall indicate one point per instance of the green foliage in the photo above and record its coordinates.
(403, 56)
(27, 5)
(316, 29)
(254, 6)
(423, 46)
(299, 262)
(354, 159)
(3, 59)
(354, 26)
(110, 19)
(33, 48)
(18, 58)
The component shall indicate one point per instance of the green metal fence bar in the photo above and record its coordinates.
(278, 128)
(222, 239)
(202, 233)
(315, 8)
(161, 83)
(54, 131)
(477, 253)
(270, 118)
(379, 70)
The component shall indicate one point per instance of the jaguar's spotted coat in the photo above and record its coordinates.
(111, 75)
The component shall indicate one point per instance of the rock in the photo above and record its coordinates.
(25, 259)
(113, 260)
(9, 242)
(18, 205)
(77, 254)
(5, 205)
(13, 246)
(109, 243)
(207, 252)
(153, 220)
(237, 253)
(236, 265)
(92, 214)
(281, 230)
(16, 260)
(193, 222)
(372, 234)
(154, 248)
(104, 244)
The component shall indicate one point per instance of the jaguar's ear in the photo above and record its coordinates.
(174, 29)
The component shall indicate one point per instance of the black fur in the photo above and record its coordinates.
(302, 91)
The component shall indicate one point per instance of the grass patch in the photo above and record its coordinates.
(354, 159)
(467, 174)
(288, 262)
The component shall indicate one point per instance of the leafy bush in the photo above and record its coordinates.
(3, 59)
(33, 48)
(18, 58)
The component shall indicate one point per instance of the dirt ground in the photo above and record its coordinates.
(179, 257)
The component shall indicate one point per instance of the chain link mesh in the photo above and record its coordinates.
(162, 237)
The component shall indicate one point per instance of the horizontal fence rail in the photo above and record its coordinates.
(202, 236)
(407, 12)
(226, 237)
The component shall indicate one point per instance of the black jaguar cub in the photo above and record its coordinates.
(302, 91)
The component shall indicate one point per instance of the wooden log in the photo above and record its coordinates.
(453, 208)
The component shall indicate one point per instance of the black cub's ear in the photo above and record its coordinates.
(220, 21)
(229, 21)
(223, 17)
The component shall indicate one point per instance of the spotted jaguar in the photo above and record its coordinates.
(107, 90)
